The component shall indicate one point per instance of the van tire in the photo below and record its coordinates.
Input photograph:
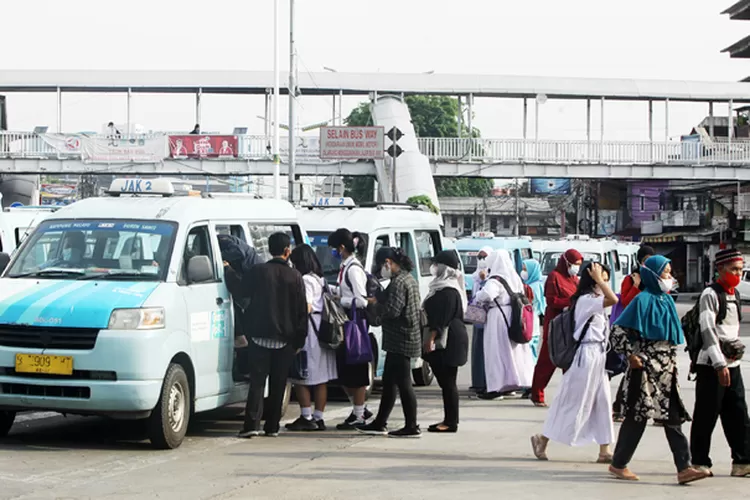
(6, 422)
(423, 376)
(285, 401)
(169, 420)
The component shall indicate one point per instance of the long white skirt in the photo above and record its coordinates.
(581, 413)
(508, 366)
(321, 363)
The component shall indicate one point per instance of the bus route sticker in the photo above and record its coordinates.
(218, 324)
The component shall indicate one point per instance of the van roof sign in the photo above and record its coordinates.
(163, 187)
(483, 235)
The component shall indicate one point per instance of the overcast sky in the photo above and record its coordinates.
(666, 39)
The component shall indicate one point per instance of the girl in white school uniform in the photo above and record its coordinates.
(581, 412)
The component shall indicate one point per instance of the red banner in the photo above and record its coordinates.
(202, 146)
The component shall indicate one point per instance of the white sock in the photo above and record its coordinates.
(307, 413)
(359, 411)
(317, 415)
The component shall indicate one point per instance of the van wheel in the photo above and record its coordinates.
(371, 367)
(6, 422)
(168, 423)
(284, 403)
(423, 375)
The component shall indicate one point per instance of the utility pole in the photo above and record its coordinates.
(292, 104)
(276, 113)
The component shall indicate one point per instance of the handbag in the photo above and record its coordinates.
(441, 338)
(357, 341)
(298, 370)
(475, 314)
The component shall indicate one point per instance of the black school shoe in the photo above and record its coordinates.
(406, 433)
(302, 424)
(321, 425)
(373, 429)
(352, 422)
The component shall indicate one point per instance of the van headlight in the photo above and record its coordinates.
(146, 318)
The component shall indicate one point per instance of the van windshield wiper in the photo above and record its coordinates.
(51, 271)
(116, 274)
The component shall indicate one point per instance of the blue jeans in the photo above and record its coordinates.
(478, 380)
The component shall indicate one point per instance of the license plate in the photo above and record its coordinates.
(43, 363)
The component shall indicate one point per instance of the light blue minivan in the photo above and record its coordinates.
(468, 248)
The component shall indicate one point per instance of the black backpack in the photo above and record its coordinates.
(521, 324)
(561, 341)
(333, 317)
(691, 325)
(372, 286)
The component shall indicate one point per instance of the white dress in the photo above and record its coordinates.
(321, 363)
(508, 366)
(581, 412)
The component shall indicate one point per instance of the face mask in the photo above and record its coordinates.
(731, 280)
(385, 272)
(336, 254)
(482, 263)
(434, 271)
(574, 270)
(666, 284)
(524, 275)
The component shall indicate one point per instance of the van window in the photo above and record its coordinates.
(382, 241)
(406, 243)
(231, 230)
(198, 243)
(259, 234)
(551, 258)
(526, 253)
(428, 245)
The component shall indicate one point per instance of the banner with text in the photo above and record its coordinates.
(352, 143)
(63, 144)
(203, 146)
(138, 149)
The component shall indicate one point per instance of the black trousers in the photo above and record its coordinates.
(397, 376)
(631, 431)
(712, 401)
(273, 364)
(446, 377)
(617, 405)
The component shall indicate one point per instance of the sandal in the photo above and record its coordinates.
(540, 404)
(442, 428)
(604, 458)
(540, 451)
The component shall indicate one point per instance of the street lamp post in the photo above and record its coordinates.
(276, 97)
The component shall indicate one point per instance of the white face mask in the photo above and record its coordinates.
(574, 270)
(385, 272)
(524, 275)
(482, 263)
(434, 271)
(666, 284)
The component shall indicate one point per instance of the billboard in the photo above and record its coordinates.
(550, 186)
(203, 146)
(352, 143)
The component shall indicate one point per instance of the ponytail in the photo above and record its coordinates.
(403, 260)
(359, 241)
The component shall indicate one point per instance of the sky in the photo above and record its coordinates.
(664, 39)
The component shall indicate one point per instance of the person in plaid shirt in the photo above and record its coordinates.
(400, 307)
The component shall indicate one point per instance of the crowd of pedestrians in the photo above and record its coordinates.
(287, 308)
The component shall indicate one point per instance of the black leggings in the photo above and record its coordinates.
(446, 377)
(397, 375)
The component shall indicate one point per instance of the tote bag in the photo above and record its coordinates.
(357, 341)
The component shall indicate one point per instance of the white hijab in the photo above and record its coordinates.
(447, 277)
(488, 251)
(501, 265)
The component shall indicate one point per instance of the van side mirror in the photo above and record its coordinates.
(200, 269)
(4, 260)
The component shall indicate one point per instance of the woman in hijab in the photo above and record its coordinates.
(560, 286)
(478, 380)
(532, 277)
(445, 305)
(648, 333)
(508, 366)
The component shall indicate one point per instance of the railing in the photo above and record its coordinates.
(459, 150)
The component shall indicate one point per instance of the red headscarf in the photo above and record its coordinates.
(569, 257)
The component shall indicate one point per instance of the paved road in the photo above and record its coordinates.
(49, 456)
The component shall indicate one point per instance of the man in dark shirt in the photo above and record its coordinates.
(276, 322)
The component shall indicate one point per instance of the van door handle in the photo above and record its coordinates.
(219, 301)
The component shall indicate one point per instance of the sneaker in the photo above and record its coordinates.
(247, 434)
(373, 429)
(272, 434)
(321, 424)
(740, 470)
(302, 424)
(690, 475)
(704, 468)
(491, 396)
(368, 414)
(350, 423)
(406, 433)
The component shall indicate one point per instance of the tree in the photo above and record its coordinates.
(432, 116)
(424, 200)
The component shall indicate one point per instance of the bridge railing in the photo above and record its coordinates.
(158, 147)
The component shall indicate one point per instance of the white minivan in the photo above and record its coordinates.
(117, 306)
(593, 250)
(412, 228)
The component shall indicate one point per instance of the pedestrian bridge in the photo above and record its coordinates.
(32, 153)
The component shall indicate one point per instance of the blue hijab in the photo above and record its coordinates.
(652, 313)
(534, 281)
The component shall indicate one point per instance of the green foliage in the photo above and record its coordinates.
(423, 200)
(432, 116)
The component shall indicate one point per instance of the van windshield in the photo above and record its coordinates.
(96, 249)
(469, 260)
(330, 264)
(550, 260)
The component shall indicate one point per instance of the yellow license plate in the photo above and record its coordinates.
(43, 363)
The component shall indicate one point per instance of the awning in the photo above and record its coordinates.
(663, 238)
(692, 237)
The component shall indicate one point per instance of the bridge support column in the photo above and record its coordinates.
(588, 129)
(711, 119)
(198, 106)
(601, 133)
(59, 110)
(460, 117)
(130, 94)
(666, 120)
(730, 129)
(651, 129)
